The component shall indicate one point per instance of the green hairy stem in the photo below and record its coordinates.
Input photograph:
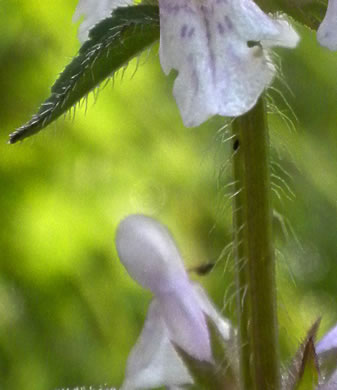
(254, 253)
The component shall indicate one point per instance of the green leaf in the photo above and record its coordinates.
(310, 13)
(303, 373)
(111, 45)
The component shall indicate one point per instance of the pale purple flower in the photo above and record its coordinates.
(218, 47)
(177, 314)
(327, 31)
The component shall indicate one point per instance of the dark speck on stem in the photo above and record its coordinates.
(236, 145)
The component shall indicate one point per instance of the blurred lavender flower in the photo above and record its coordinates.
(328, 343)
(218, 47)
(326, 349)
(327, 31)
(177, 314)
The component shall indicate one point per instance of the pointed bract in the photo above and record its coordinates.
(303, 372)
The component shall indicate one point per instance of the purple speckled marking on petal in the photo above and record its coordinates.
(228, 23)
(183, 31)
(168, 7)
(221, 28)
(194, 75)
(206, 13)
(191, 32)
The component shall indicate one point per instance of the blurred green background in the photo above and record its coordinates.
(69, 313)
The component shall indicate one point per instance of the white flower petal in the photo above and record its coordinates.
(207, 43)
(224, 327)
(251, 22)
(287, 36)
(270, 31)
(95, 11)
(149, 254)
(327, 31)
(186, 322)
(153, 362)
